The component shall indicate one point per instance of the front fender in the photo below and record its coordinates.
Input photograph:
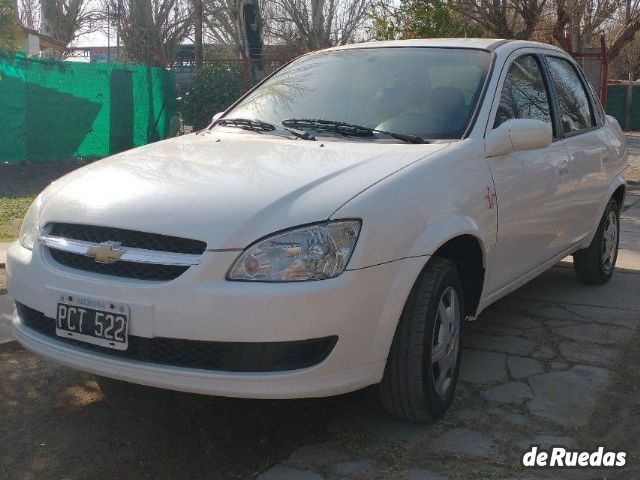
(441, 231)
(616, 183)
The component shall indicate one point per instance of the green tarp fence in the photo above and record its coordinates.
(52, 111)
(617, 105)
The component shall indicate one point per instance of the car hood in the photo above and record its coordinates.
(227, 189)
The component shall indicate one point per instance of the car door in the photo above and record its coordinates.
(585, 141)
(531, 187)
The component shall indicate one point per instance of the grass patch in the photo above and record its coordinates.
(19, 185)
(12, 210)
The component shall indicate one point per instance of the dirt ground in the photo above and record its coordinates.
(56, 423)
(616, 420)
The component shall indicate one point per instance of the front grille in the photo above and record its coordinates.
(128, 238)
(139, 271)
(220, 356)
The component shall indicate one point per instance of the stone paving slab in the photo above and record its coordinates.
(567, 398)
(628, 260)
(534, 365)
(6, 311)
(561, 286)
(483, 367)
(463, 441)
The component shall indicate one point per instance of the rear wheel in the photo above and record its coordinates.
(424, 360)
(595, 264)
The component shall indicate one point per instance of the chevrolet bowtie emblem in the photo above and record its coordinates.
(107, 252)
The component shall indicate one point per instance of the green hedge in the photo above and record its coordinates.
(213, 89)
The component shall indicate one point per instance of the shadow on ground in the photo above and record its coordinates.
(56, 423)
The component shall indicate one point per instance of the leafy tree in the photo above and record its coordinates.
(8, 26)
(515, 19)
(421, 19)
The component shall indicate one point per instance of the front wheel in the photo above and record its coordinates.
(423, 364)
(595, 264)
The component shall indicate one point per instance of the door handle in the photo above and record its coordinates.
(563, 169)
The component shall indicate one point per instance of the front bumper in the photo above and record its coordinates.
(360, 307)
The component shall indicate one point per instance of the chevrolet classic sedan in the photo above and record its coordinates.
(333, 229)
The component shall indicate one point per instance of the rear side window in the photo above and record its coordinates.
(575, 111)
(524, 94)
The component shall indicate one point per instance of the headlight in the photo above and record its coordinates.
(312, 252)
(30, 231)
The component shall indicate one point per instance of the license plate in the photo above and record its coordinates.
(98, 322)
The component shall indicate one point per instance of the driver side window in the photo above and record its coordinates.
(524, 94)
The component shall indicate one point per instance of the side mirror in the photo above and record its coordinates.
(517, 135)
(216, 116)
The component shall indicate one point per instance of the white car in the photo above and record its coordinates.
(331, 230)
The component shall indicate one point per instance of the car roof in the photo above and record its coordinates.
(475, 43)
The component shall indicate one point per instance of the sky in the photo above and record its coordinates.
(95, 39)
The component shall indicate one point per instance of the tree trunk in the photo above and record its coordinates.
(197, 14)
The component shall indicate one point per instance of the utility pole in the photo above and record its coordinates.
(108, 34)
(118, 13)
(198, 20)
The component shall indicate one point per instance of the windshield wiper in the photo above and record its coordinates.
(260, 126)
(345, 128)
(247, 124)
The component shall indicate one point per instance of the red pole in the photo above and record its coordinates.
(567, 44)
(604, 72)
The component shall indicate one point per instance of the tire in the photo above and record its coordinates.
(595, 264)
(413, 387)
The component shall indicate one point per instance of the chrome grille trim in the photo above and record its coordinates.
(134, 255)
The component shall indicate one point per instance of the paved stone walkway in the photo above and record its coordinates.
(533, 367)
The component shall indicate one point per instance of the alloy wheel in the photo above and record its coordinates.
(446, 341)
(610, 241)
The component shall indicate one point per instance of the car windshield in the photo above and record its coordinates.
(427, 92)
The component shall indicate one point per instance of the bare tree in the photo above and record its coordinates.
(66, 20)
(197, 30)
(624, 32)
(152, 30)
(220, 18)
(504, 18)
(315, 24)
(626, 66)
(584, 20)
(29, 11)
